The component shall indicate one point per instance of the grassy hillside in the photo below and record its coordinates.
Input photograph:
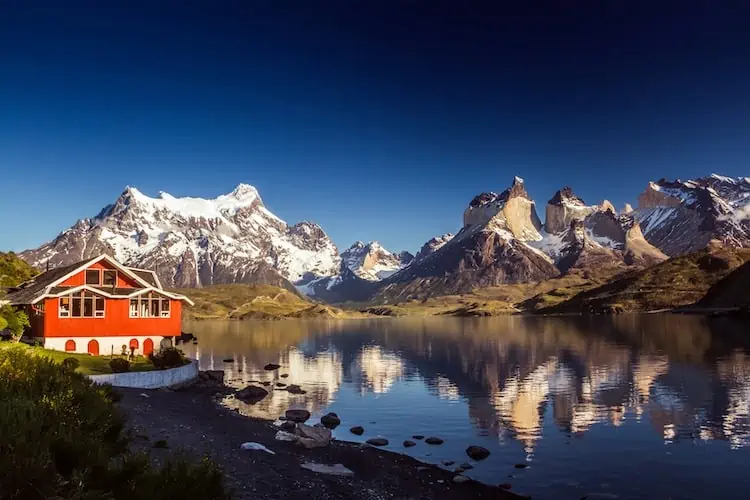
(677, 282)
(13, 270)
(240, 301)
(730, 292)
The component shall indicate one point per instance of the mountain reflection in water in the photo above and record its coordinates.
(520, 379)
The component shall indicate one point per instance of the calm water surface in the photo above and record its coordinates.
(634, 406)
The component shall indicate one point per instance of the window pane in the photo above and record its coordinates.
(144, 308)
(77, 294)
(76, 307)
(64, 306)
(155, 307)
(110, 277)
(133, 307)
(92, 276)
(164, 305)
(99, 304)
(88, 307)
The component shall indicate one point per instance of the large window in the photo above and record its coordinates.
(93, 277)
(149, 305)
(83, 304)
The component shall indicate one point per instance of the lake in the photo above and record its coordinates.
(637, 406)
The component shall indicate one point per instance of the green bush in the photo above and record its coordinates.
(71, 364)
(168, 357)
(119, 365)
(16, 321)
(62, 438)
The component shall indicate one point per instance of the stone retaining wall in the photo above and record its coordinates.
(150, 380)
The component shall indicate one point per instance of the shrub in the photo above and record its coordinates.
(168, 357)
(71, 364)
(62, 438)
(16, 321)
(119, 365)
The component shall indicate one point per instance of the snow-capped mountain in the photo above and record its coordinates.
(593, 237)
(232, 238)
(372, 262)
(433, 245)
(680, 217)
(493, 247)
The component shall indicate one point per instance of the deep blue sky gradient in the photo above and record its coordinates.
(378, 120)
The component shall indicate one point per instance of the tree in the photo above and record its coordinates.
(16, 321)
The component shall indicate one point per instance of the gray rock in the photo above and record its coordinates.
(297, 415)
(286, 436)
(409, 444)
(332, 470)
(313, 436)
(467, 466)
(251, 394)
(358, 430)
(448, 463)
(331, 420)
(214, 375)
(477, 452)
(433, 440)
(377, 442)
(418, 437)
(459, 479)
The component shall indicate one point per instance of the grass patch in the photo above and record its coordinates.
(87, 364)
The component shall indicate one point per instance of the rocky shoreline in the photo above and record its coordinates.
(189, 420)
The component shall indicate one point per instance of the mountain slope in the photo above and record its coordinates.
(490, 249)
(677, 282)
(372, 262)
(680, 217)
(731, 291)
(13, 270)
(193, 242)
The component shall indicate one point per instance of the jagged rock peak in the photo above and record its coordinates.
(566, 195)
(627, 209)
(607, 206)
(433, 245)
(372, 261)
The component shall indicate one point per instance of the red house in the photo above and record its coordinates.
(98, 306)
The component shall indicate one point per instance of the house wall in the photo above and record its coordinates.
(80, 277)
(36, 320)
(116, 322)
(107, 345)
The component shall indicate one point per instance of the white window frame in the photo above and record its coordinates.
(85, 277)
(147, 298)
(96, 314)
(114, 285)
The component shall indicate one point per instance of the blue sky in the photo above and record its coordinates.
(378, 120)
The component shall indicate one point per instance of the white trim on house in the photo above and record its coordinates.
(102, 257)
(135, 293)
(107, 344)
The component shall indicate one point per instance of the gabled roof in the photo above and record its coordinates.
(46, 284)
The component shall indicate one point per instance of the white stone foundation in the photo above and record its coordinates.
(107, 345)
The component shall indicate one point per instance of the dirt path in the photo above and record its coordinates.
(190, 420)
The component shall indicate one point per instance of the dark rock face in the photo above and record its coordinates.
(357, 430)
(251, 394)
(377, 442)
(478, 259)
(477, 452)
(295, 389)
(271, 367)
(433, 440)
(299, 416)
(288, 426)
(409, 444)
